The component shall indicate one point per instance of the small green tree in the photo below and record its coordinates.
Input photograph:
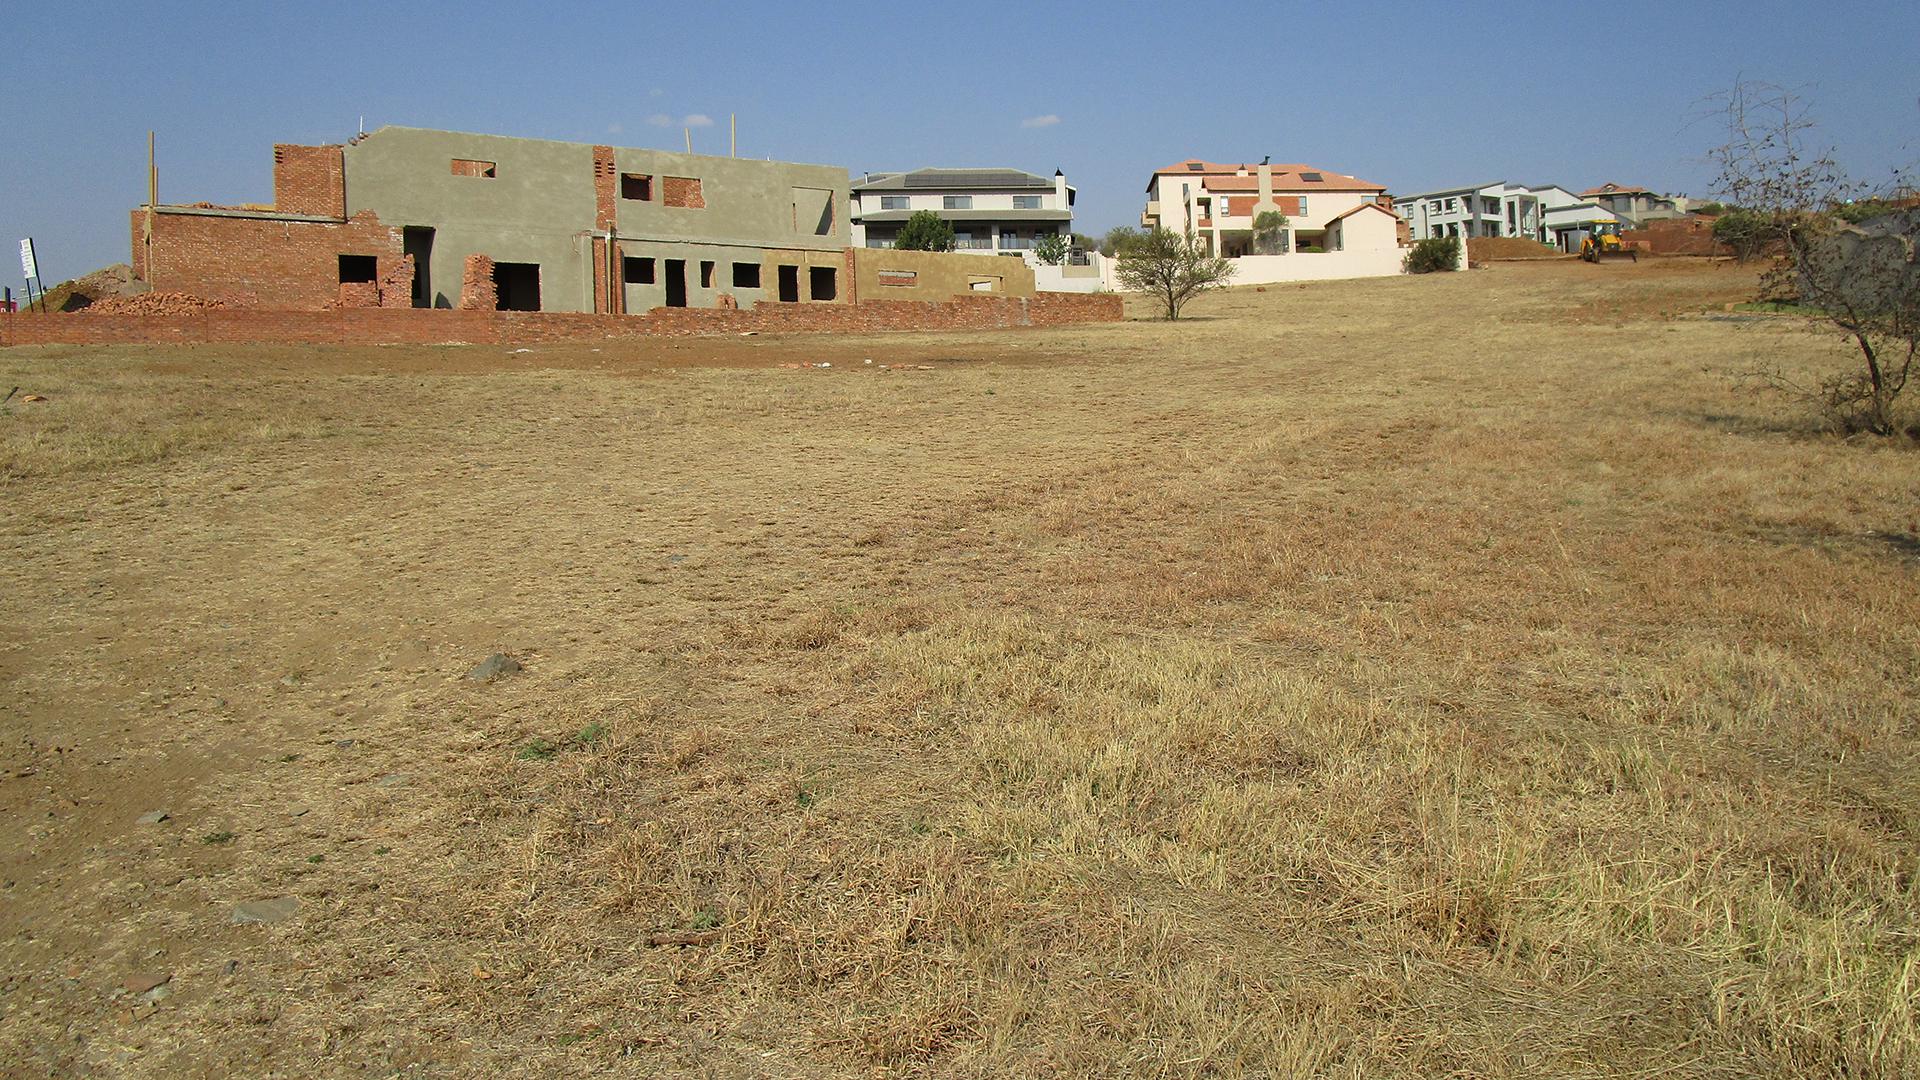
(1744, 232)
(1050, 248)
(925, 231)
(1433, 254)
(1269, 229)
(1083, 242)
(1172, 268)
(1117, 239)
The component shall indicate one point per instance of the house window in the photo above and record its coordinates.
(706, 274)
(894, 202)
(636, 271)
(1303, 206)
(1026, 202)
(746, 275)
(636, 186)
(1451, 204)
(359, 268)
(1433, 207)
(957, 202)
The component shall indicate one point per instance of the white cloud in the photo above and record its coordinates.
(660, 119)
(698, 120)
(1040, 121)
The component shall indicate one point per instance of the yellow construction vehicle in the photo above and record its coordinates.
(1603, 242)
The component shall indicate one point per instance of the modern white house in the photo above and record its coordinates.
(1566, 219)
(1498, 208)
(993, 211)
(1338, 226)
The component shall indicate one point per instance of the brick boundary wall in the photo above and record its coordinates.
(426, 326)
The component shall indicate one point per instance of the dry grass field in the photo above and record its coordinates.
(1446, 676)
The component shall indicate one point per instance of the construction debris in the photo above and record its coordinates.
(153, 303)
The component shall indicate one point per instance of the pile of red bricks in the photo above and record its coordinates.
(153, 304)
(380, 326)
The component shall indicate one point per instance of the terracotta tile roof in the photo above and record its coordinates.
(1288, 178)
(1366, 206)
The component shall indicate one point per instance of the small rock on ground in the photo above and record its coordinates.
(152, 818)
(494, 667)
(266, 911)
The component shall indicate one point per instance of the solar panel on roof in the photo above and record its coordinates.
(1312, 177)
(1194, 166)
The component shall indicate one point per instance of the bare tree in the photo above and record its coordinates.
(1172, 267)
(1862, 278)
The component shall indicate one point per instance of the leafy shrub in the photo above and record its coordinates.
(1432, 254)
(925, 231)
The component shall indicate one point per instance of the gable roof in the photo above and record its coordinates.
(1288, 178)
(1366, 206)
(954, 180)
(1616, 189)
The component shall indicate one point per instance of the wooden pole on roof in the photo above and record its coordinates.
(153, 196)
(689, 133)
(733, 137)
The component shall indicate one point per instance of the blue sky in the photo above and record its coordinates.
(1408, 95)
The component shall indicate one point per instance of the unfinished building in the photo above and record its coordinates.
(408, 217)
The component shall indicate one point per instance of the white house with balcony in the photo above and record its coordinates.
(1338, 226)
(1494, 209)
(993, 211)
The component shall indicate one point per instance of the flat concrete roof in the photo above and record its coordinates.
(970, 215)
(229, 212)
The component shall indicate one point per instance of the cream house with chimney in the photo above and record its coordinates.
(993, 211)
(1338, 226)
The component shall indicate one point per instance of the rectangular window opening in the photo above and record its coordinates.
(813, 211)
(957, 202)
(1026, 202)
(789, 284)
(636, 186)
(359, 268)
(516, 286)
(899, 277)
(822, 283)
(636, 271)
(472, 167)
(746, 275)
(706, 274)
(895, 202)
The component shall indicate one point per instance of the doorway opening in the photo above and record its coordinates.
(676, 283)
(516, 286)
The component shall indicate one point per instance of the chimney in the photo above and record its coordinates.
(1060, 189)
(1265, 202)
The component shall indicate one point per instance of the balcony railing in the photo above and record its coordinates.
(973, 243)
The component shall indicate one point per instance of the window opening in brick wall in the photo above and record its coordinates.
(822, 283)
(516, 286)
(898, 277)
(471, 167)
(676, 283)
(635, 271)
(746, 275)
(706, 274)
(983, 284)
(789, 284)
(359, 268)
(636, 186)
(682, 191)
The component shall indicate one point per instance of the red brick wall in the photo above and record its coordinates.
(374, 326)
(682, 191)
(309, 180)
(477, 290)
(259, 262)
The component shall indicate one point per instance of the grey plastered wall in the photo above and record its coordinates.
(537, 208)
(641, 298)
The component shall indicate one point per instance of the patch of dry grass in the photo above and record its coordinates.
(1388, 678)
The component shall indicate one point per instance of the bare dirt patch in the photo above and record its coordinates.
(1399, 677)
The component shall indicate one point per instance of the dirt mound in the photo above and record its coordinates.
(89, 289)
(154, 303)
(1483, 248)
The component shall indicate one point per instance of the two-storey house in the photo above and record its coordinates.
(993, 211)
